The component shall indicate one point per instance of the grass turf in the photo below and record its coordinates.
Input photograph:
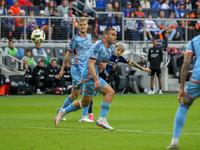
(141, 122)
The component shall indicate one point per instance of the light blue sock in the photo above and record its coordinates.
(179, 120)
(67, 102)
(104, 109)
(70, 108)
(85, 111)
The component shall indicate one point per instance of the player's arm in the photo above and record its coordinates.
(134, 64)
(93, 73)
(66, 59)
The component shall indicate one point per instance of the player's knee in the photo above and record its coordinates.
(111, 92)
(74, 96)
(85, 104)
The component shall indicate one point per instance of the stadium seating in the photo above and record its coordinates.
(107, 2)
(59, 52)
(25, 8)
(38, 58)
(134, 9)
(153, 12)
(35, 9)
(80, 6)
(145, 11)
(42, 7)
(10, 62)
(49, 51)
(151, 2)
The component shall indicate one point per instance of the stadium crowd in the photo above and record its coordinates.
(131, 9)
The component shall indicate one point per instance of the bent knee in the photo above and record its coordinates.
(74, 96)
(85, 104)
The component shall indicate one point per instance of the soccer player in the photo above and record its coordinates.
(192, 90)
(100, 52)
(114, 59)
(79, 45)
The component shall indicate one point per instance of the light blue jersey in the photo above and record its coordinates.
(101, 54)
(80, 47)
(192, 90)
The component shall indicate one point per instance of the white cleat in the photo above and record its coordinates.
(160, 92)
(62, 119)
(103, 124)
(173, 146)
(151, 92)
(85, 119)
(39, 92)
(58, 117)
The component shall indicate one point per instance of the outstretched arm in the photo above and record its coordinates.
(134, 64)
(66, 59)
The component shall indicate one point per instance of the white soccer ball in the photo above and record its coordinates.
(38, 36)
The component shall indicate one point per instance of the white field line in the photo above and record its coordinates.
(76, 129)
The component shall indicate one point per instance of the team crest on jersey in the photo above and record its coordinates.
(95, 52)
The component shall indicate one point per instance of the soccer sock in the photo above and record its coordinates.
(160, 87)
(69, 109)
(67, 102)
(152, 88)
(104, 109)
(90, 108)
(180, 119)
(85, 111)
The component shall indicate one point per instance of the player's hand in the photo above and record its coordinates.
(97, 84)
(146, 69)
(57, 76)
(61, 73)
(102, 65)
(181, 95)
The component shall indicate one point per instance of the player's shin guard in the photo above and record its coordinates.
(67, 102)
(104, 109)
(180, 119)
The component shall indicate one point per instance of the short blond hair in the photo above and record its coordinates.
(31, 12)
(81, 19)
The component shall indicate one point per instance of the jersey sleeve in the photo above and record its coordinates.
(123, 59)
(72, 45)
(94, 53)
(190, 48)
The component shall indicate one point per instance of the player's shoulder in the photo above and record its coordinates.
(98, 44)
(195, 39)
(75, 38)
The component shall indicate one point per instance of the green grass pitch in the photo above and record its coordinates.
(141, 122)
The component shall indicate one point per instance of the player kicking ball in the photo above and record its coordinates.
(192, 90)
(79, 45)
(100, 52)
(114, 59)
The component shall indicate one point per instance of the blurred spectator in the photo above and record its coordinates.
(165, 5)
(139, 12)
(157, 4)
(127, 10)
(42, 23)
(180, 11)
(197, 4)
(63, 8)
(151, 26)
(15, 7)
(175, 52)
(55, 23)
(180, 59)
(10, 49)
(190, 26)
(188, 5)
(173, 27)
(135, 3)
(197, 25)
(29, 57)
(20, 53)
(52, 74)
(145, 4)
(109, 17)
(165, 36)
(39, 2)
(66, 73)
(141, 30)
(19, 23)
(38, 51)
(161, 23)
(90, 5)
(100, 3)
(39, 73)
(118, 19)
(84, 13)
(131, 25)
(142, 62)
(116, 7)
(73, 3)
(3, 9)
(27, 72)
(160, 43)
(174, 4)
(8, 26)
(49, 8)
(67, 23)
(25, 2)
(31, 21)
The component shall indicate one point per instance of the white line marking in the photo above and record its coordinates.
(119, 130)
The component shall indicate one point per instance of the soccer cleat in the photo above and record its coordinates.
(62, 119)
(104, 125)
(151, 92)
(91, 117)
(160, 92)
(39, 92)
(85, 119)
(173, 146)
(58, 117)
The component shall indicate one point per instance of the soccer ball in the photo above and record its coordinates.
(38, 36)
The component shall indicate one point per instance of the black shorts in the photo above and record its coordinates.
(155, 69)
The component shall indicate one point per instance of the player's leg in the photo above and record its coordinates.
(84, 117)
